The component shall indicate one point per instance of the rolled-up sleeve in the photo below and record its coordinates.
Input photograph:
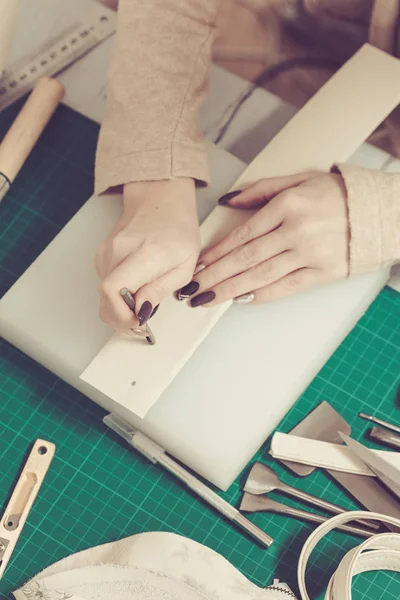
(157, 81)
(374, 214)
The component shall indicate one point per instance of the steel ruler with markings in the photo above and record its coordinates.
(56, 54)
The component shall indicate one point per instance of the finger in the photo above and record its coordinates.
(293, 283)
(260, 224)
(127, 321)
(242, 259)
(258, 194)
(263, 274)
(133, 273)
(159, 289)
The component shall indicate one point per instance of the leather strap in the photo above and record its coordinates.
(381, 551)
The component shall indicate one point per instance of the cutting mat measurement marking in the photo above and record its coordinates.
(55, 55)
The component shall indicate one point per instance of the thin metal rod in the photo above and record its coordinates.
(146, 331)
(377, 421)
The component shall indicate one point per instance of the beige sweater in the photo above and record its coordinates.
(157, 82)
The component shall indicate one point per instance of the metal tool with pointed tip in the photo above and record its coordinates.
(381, 422)
(156, 454)
(252, 503)
(387, 473)
(262, 480)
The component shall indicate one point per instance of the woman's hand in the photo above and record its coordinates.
(299, 239)
(152, 250)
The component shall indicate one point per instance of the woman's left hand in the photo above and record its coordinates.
(298, 239)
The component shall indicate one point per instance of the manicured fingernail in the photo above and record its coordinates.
(203, 298)
(227, 197)
(199, 268)
(187, 291)
(144, 313)
(154, 311)
(245, 299)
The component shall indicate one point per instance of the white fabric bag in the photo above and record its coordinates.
(165, 566)
(149, 566)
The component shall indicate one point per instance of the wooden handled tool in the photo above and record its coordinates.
(23, 498)
(27, 128)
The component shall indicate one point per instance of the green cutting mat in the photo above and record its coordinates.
(97, 490)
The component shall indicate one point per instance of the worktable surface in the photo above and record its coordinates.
(97, 490)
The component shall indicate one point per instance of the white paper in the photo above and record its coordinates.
(328, 129)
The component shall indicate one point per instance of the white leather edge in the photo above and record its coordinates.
(385, 547)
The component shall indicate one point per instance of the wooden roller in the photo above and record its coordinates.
(27, 128)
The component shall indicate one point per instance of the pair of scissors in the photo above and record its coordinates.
(387, 473)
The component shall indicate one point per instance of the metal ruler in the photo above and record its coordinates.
(60, 52)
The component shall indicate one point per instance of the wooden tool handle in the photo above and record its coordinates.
(29, 125)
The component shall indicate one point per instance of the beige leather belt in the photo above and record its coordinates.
(379, 552)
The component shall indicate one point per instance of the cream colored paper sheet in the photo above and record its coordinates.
(328, 129)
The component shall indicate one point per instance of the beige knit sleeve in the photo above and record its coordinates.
(157, 81)
(374, 215)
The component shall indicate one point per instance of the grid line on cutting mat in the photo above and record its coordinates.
(97, 490)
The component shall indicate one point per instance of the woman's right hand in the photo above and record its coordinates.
(152, 250)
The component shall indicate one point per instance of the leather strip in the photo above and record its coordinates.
(380, 551)
(324, 454)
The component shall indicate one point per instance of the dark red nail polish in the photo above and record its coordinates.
(203, 298)
(227, 197)
(154, 311)
(187, 291)
(145, 312)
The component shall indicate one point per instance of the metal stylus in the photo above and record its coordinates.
(156, 454)
(146, 331)
(390, 426)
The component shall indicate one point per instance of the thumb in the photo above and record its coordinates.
(258, 194)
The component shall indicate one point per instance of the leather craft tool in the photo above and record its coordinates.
(262, 480)
(386, 424)
(156, 454)
(19, 78)
(26, 129)
(384, 436)
(369, 492)
(365, 490)
(252, 504)
(324, 424)
(141, 332)
(191, 401)
(383, 469)
(22, 499)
